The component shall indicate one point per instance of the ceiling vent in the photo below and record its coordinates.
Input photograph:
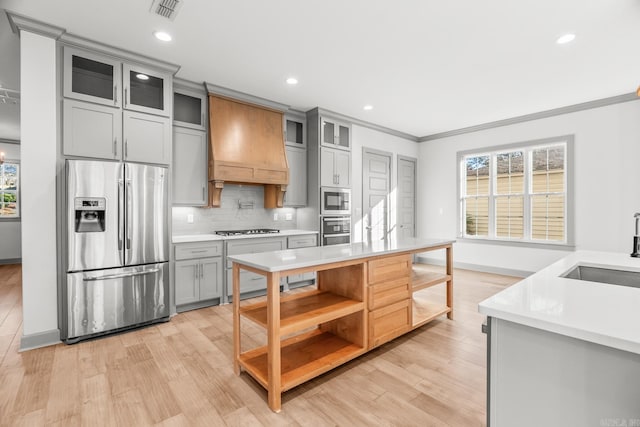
(166, 8)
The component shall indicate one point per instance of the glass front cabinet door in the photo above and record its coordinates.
(335, 134)
(189, 109)
(147, 91)
(92, 78)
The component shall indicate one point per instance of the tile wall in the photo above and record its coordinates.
(242, 207)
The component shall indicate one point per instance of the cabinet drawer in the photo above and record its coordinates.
(304, 277)
(249, 282)
(389, 322)
(302, 241)
(385, 293)
(198, 250)
(253, 246)
(394, 267)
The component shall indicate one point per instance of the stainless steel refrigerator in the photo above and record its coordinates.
(117, 247)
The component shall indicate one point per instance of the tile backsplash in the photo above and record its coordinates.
(242, 206)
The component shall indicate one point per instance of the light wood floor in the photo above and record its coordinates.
(180, 373)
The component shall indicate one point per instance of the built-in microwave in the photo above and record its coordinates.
(335, 201)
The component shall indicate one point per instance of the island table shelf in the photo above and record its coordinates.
(367, 294)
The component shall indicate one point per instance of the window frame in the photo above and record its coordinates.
(526, 147)
(17, 192)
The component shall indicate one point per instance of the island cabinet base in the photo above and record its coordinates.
(359, 304)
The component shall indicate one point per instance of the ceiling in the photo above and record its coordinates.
(426, 66)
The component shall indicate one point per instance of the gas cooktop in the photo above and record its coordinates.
(249, 231)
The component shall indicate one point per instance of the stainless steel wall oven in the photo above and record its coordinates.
(336, 230)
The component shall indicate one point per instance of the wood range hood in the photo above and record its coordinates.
(246, 146)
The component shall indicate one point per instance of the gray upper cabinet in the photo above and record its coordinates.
(105, 80)
(115, 110)
(335, 134)
(147, 138)
(189, 109)
(91, 130)
(92, 78)
(335, 168)
(189, 167)
(295, 130)
(146, 90)
(296, 194)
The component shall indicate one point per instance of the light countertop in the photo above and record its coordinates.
(597, 312)
(318, 255)
(186, 238)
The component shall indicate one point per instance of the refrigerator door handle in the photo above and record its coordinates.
(120, 213)
(119, 276)
(129, 213)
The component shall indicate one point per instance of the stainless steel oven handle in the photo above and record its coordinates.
(119, 276)
(335, 235)
(333, 218)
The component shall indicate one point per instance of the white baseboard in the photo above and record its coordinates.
(477, 267)
(41, 339)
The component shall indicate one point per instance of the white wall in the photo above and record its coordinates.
(369, 138)
(607, 184)
(38, 161)
(11, 241)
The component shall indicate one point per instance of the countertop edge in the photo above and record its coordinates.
(253, 260)
(594, 312)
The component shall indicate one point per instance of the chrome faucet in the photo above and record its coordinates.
(636, 238)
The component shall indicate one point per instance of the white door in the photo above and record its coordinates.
(376, 174)
(406, 210)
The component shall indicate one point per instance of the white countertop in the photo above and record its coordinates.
(306, 257)
(596, 312)
(186, 238)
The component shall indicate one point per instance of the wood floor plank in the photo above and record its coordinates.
(180, 373)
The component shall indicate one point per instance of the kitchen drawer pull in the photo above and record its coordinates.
(200, 251)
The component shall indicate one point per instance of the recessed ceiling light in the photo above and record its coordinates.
(368, 107)
(142, 76)
(292, 81)
(161, 35)
(566, 38)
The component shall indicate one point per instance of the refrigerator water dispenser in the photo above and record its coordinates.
(90, 214)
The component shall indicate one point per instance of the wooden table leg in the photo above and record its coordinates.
(450, 281)
(273, 341)
(236, 318)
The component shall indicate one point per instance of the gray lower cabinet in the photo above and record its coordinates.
(296, 194)
(189, 167)
(251, 284)
(198, 274)
(301, 241)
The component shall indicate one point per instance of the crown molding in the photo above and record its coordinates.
(245, 97)
(373, 126)
(24, 23)
(535, 116)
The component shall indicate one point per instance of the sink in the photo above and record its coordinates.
(610, 276)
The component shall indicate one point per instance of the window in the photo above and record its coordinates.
(9, 190)
(517, 193)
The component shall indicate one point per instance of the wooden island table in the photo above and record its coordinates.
(366, 294)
